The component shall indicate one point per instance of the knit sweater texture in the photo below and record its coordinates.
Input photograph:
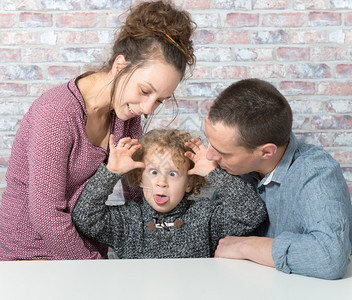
(50, 163)
(234, 210)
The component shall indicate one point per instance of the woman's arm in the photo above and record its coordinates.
(50, 145)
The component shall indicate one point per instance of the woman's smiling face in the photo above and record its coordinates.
(145, 89)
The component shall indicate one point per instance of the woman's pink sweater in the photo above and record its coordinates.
(50, 164)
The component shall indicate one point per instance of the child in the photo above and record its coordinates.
(166, 224)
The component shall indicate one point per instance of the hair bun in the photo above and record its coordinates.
(163, 20)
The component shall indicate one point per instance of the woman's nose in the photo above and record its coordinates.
(148, 106)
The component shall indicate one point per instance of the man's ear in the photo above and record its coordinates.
(118, 65)
(267, 151)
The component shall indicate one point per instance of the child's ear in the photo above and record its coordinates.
(190, 184)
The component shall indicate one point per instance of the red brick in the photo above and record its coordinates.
(344, 70)
(196, 4)
(323, 139)
(230, 72)
(70, 37)
(232, 37)
(283, 20)
(292, 53)
(12, 89)
(348, 19)
(271, 37)
(332, 122)
(311, 4)
(241, 20)
(301, 70)
(271, 4)
(62, 72)
(18, 38)
(184, 107)
(342, 106)
(10, 55)
(38, 54)
(201, 72)
(7, 20)
(35, 20)
(266, 71)
(341, 156)
(335, 88)
(20, 72)
(77, 20)
(297, 87)
(308, 37)
(324, 19)
(328, 53)
(36, 89)
(203, 36)
(253, 54)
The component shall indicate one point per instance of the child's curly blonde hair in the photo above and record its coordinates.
(170, 139)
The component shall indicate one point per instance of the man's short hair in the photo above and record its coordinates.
(257, 109)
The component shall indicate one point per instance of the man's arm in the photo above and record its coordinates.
(254, 248)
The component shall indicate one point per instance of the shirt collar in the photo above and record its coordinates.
(73, 88)
(279, 173)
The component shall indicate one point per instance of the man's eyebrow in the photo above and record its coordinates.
(220, 152)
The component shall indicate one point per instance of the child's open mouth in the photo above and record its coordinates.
(160, 199)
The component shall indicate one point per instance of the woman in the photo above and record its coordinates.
(64, 136)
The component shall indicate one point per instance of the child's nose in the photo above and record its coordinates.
(162, 182)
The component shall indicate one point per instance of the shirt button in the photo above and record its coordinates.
(261, 190)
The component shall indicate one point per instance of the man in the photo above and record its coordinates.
(309, 232)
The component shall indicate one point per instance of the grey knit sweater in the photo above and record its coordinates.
(191, 229)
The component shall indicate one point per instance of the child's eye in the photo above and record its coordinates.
(173, 173)
(153, 172)
(144, 92)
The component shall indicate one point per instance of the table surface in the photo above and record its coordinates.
(203, 278)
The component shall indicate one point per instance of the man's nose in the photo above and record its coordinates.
(212, 154)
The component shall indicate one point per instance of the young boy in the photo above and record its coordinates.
(166, 224)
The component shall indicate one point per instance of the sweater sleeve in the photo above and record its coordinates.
(92, 216)
(49, 149)
(238, 210)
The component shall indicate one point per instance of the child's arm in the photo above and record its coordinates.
(91, 216)
(238, 210)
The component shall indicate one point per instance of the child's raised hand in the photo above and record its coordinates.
(202, 166)
(120, 157)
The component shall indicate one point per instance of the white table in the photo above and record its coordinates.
(166, 279)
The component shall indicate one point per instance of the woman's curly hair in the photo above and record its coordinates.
(162, 139)
(146, 34)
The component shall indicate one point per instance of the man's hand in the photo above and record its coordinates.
(120, 157)
(254, 248)
(202, 166)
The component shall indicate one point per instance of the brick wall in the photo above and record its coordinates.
(304, 47)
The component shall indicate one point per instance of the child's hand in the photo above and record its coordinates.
(202, 166)
(120, 157)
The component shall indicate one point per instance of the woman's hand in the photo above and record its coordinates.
(120, 157)
(202, 166)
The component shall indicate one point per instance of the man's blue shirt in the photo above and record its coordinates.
(310, 213)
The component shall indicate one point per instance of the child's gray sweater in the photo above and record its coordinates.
(191, 229)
